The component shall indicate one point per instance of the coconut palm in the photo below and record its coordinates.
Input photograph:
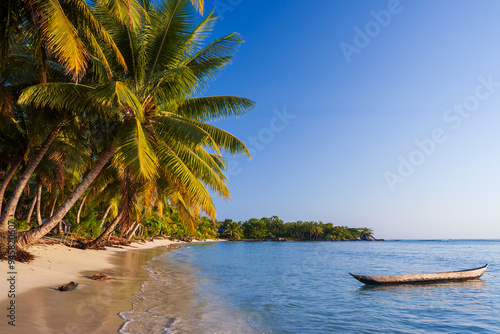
(159, 118)
(233, 231)
(67, 29)
(35, 31)
(365, 231)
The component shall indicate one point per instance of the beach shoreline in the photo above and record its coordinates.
(94, 303)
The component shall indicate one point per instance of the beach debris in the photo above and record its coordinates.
(187, 239)
(19, 255)
(172, 246)
(68, 287)
(112, 241)
(101, 277)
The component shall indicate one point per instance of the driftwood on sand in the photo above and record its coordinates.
(68, 287)
(101, 277)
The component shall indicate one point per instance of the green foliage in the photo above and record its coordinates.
(123, 75)
(157, 227)
(269, 228)
(21, 225)
(207, 228)
(89, 226)
(173, 227)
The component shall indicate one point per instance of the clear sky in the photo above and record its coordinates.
(382, 114)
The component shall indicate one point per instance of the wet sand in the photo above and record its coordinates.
(93, 306)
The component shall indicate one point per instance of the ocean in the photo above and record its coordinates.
(305, 287)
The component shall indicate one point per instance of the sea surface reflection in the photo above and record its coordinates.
(304, 287)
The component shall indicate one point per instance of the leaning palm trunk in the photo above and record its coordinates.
(39, 205)
(7, 179)
(31, 236)
(129, 229)
(111, 227)
(105, 215)
(32, 208)
(59, 225)
(132, 233)
(53, 207)
(80, 210)
(11, 207)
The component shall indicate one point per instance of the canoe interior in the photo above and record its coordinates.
(459, 275)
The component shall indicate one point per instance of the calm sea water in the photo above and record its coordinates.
(304, 287)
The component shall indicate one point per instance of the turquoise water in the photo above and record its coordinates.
(304, 287)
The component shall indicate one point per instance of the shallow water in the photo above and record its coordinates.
(91, 308)
(304, 287)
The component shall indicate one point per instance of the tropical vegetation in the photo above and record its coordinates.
(273, 227)
(103, 119)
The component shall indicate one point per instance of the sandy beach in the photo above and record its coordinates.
(93, 306)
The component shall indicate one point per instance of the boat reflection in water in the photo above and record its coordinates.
(474, 284)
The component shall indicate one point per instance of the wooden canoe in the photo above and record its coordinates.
(459, 275)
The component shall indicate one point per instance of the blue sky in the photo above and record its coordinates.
(400, 135)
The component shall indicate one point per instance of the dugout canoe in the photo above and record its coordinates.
(459, 275)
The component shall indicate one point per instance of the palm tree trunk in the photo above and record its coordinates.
(59, 225)
(131, 234)
(7, 179)
(80, 210)
(105, 215)
(53, 207)
(32, 208)
(11, 207)
(38, 205)
(128, 230)
(108, 230)
(29, 237)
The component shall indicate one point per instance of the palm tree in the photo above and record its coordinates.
(159, 118)
(365, 231)
(233, 231)
(294, 230)
(33, 31)
(66, 29)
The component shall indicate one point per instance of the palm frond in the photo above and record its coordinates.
(186, 213)
(135, 152)
(199, 5)
(209, 61)
(223, 139)
(117, 94)
(181, 177)
(172, 128)
(204, 170)
(128, 12)
(215, 108)
(169, 26)
(215, 161)
(58, 96)
(62, 37)
(194, 41)
(91, 28)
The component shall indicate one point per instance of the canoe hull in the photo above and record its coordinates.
(460, 275)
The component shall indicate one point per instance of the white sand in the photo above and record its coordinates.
(55, 265)
(92, 308)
